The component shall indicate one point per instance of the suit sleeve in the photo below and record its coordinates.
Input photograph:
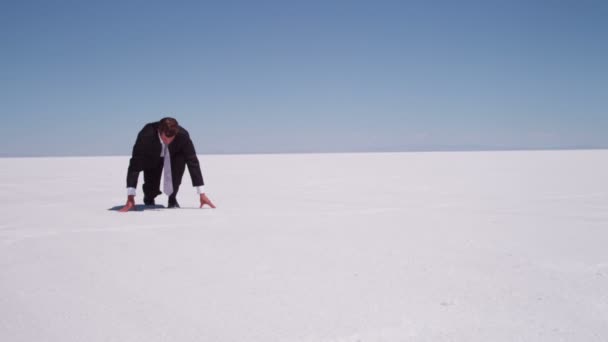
(194, 167)
(136, 164)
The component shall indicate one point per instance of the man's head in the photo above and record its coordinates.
(168, 129)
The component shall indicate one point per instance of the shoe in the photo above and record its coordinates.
(149, 202)
(172, 203)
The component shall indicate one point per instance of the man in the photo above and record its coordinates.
(163, 146)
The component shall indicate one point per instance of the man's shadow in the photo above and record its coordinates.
(139, 207)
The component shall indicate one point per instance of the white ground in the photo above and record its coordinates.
(480, 246)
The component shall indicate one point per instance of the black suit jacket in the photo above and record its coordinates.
(146, 154)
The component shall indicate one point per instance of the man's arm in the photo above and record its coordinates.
(194, 167)
(136, 165)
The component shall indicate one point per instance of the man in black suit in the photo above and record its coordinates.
(163, 145)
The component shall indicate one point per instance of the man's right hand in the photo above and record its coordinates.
(130, 204)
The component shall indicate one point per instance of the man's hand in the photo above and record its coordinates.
(206, 200)
(130, 204)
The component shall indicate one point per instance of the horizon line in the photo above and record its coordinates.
(531, 149)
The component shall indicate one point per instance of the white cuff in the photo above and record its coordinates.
(200, 189)
(130, 191)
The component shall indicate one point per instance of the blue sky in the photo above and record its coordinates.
(81, 78)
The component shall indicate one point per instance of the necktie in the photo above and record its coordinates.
(167, 180)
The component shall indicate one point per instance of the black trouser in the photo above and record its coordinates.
(152, 178)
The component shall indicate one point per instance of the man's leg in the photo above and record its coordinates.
(178, 166)
(152, 183)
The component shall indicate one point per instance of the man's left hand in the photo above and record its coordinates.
(206, 200)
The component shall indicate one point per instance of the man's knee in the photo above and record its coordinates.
(151, 190)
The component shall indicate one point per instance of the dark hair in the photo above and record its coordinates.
(168, 126)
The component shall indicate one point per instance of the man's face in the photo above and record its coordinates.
(166, 140)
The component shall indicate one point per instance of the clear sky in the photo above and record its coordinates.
(82, 77)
